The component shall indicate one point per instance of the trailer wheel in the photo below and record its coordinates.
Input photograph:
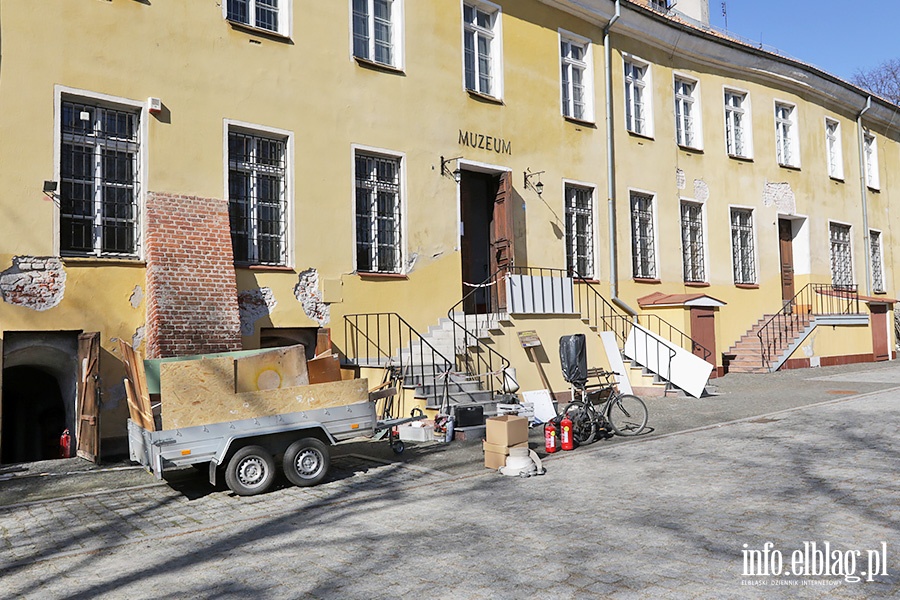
(306, 462)
(250, 471)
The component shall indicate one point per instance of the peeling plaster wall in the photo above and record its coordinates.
(701, 190)
(254, 305)
(781, 196)
(136, 296)
(310, 297)
(34, 282)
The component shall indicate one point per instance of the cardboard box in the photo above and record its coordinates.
(495, 455)
(507, 430)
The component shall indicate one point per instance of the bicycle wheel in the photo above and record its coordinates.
(584, 429)
(627, 414)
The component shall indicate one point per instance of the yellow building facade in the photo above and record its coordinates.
(194, 177)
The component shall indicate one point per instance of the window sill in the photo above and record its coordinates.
(381, 276)
(690, 149)
(267, 33)
(368, 63)
(836, 179)
(651, 280)
(696, 284)
(97, 261)
(275, 268)
(575, 121)
(747, 286)
(877, 190)
(741, 158)
(588, 280)
(643, 136)
(789, 167)
(484, 97)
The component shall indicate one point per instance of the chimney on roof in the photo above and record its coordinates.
(698, 10)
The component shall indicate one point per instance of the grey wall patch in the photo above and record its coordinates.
(781, 195)
(33, 282)
(138, 337)
(309, 296)
(254, 305)
(701, 190)
(680, 179)
(136, 296)
(113, 396)
(411, 263)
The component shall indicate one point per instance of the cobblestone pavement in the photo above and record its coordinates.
(662, 517)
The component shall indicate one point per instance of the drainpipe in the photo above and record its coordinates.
(863, 189)
(611, 170)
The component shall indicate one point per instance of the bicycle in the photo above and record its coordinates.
(625, 414)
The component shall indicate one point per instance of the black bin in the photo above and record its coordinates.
(469, 416)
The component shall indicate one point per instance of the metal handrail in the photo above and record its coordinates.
(815, 299)
(387, 340)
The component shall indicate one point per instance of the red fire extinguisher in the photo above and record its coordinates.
(65, 445)
(550, 437)
(566, 433)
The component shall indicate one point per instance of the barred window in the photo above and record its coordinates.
(99, 180)
(841, 259)
(692, 242)
(876, 258)
(377, 214)
(643, 244)
(374, 30)
(743, 258)
(257, 198)
(580, 231)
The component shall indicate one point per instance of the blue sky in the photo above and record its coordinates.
(838, 37)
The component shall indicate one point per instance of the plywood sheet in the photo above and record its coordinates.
(324, 369)
(277, 368)
(134, 368)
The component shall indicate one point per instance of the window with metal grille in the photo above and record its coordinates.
(841, 259)
(576, 79)
(480, 47)
(377, 214)
(692, 242)
(736, 137)
(257, 198)
(871, 151)
(684, 112)
(877, 265)
(742, 253)
(99, 180)
(643, 244)
(263, 14)
(785, 135)
(580, 230)
(635, 84)
(373, 30)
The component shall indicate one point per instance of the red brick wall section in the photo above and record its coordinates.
(192, 303)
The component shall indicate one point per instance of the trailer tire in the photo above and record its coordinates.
(250, 471)
(306, 462)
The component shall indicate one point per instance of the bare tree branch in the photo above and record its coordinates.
(883, 80)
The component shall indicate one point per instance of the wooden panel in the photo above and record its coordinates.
(324, 369)
(786, 251)
(277, 368)
(136, 385)
(879, 325)
(87, 435)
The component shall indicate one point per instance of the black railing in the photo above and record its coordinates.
(386, 340)
(815, 299)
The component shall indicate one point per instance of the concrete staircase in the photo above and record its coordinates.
(747, 355)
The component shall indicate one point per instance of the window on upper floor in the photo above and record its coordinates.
(481, 48)
(377, 31)
(687, 113)
(270, 15)
(378, 213)
(743, 257)
(876, 258)
(638, 109)
(577, 77)
(643, 238)
(833, 149)
(841, 255)
(870, 146)
(738, 131)
(580, 231)
(258, 197)
(99, 163)
(692, 246)
(787, 148)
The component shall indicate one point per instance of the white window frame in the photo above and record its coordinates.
(655, 233)
(397, 34)
(645, 86)
(263, 131)
(787, 138)
(495, 35)
(746, 123)
(688, 113)
(568, 66)
(877, 286)
(834, 153)
(704, 239)
(755, 258)
(569, 184)
(356, 149)
(283, 8)
(831, 254)
(64, 93)
(870, 149)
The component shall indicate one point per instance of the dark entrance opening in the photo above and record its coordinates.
(34, 415)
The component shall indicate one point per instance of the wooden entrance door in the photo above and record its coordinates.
(786, 249)
(703, 331)
(88, 407)
(502, 239)
(880, 349)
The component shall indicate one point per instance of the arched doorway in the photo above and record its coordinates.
(34, 414)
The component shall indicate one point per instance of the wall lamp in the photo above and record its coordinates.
(456, 174)
(50, 189)
(538, 187)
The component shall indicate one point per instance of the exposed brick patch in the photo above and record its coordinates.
(254, 305)
(34, 282)
(308, 293)
(191, 299)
